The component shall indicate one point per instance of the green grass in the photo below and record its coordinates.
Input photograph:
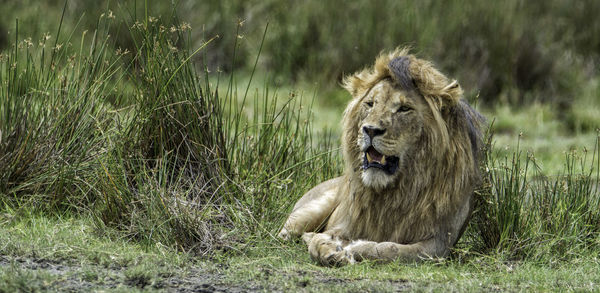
(50, 253)
(144, 170)
(479, 274)
(80, 256)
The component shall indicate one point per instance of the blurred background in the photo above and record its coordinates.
(531, 66)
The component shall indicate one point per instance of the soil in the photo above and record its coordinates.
(69, 276)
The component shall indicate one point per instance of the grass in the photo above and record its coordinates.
(140, 169)
(78, 255)
(50, 253)
(475, 275)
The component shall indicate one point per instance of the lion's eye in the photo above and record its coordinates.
(403, 109)
(369, 104)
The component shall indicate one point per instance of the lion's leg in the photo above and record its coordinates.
(389, 251)
(312, 210)
(329, 250)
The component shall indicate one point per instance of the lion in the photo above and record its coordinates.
(410, 145)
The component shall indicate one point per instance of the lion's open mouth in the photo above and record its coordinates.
(374, 159)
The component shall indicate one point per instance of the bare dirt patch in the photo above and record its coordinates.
(40, 274)
(68, 276)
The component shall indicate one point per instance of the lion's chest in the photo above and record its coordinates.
(380, 219)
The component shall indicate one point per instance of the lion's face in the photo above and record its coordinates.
(390, 126)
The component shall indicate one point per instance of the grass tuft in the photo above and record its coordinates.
(538, 217)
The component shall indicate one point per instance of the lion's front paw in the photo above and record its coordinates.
(338, 259)
(327, 250)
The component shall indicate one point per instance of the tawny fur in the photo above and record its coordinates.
(422, 209)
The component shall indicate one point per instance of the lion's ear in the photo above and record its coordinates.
(355, 83)
(451, 93)
(349, 83)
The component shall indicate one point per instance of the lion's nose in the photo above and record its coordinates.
(372, 131)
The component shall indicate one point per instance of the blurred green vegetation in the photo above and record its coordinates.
(513, 51)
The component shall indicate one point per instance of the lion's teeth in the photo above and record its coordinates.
(382, 160)
(369, 157)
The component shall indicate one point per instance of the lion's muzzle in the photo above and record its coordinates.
(374, 159)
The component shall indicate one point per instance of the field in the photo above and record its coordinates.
(160, 148)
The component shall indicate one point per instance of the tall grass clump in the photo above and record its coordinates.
(271, 149)
(189, 166)
(141, 139)
(160, 181)
(538, 217)
(51, 121)
(126, 135)
(277, 157)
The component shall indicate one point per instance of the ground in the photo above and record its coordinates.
(47, 254)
